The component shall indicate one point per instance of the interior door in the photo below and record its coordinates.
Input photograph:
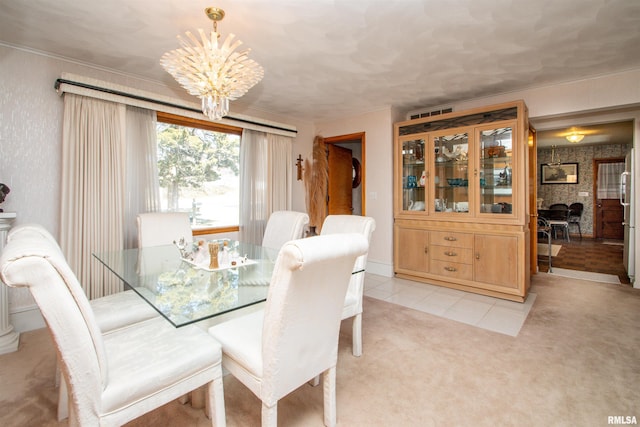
(340, 180)
(609, 219)
(609, 213)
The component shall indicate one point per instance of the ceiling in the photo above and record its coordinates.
(605, 133)
(325, 59)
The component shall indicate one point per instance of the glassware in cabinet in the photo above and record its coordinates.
(451, 173)
(496, 170)
(413, 175)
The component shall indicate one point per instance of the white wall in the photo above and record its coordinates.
(378, 128)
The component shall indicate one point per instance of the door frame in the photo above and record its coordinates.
(355, 138)
(532, 148)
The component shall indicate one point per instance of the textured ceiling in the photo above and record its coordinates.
(328, 58)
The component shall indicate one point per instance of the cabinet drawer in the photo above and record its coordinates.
(451, 238)
(451, 254)
(455, 270)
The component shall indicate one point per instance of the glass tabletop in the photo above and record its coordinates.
(187, 291)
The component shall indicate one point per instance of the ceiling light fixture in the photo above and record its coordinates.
(575, 137)
(215, 73)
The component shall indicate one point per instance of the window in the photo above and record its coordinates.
(198, 169)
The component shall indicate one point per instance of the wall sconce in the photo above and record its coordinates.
(299, 167)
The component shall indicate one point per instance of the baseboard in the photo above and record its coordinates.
(379, 268)
(26, 319)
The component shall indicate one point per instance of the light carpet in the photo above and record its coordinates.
(543, 249)
(574, 363)
(587, 275)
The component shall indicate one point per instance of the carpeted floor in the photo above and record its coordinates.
(574, 363)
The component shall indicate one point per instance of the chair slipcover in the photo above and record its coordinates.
(295, 338)
(163, 228)
(119, 376)
(284, 226)
(334, 224)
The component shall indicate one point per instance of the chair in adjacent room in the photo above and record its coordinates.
(283, 226)
(163, 228)
(575, 215)
(334, 224)
(558, 217)
(110, 378)
(544, 230)
(295, 337)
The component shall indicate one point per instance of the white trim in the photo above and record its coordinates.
(379, 268)
(288, 130)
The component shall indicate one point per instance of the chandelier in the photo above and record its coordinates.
(215, 73)
(555, 160)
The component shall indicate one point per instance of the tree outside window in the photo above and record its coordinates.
(199, 173)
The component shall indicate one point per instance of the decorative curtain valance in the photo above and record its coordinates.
(86, 86)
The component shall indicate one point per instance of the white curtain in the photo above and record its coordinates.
(608, 186)
(142, 189)
(92, 203)
(280, 172)
(265, 181)
(109, 175)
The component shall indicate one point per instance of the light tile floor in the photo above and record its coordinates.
(494, 314)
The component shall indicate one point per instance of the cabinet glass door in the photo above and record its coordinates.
(413, 175)
(496, 155)
(451, 173)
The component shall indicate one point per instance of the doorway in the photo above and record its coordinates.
(346, 174)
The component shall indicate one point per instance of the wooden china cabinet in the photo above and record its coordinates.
(461, 200)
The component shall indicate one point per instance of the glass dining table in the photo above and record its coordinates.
(184, 289)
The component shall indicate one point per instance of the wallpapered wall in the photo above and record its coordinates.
(568, 193)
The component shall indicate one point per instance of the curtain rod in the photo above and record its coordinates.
(155, 101)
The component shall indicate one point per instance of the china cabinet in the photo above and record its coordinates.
(460, 200)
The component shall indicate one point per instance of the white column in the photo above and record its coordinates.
(8, 337)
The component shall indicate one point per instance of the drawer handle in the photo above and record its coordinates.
(451, 269)
(477, 255)
(426, 249)
(450, 239)
(450, 253)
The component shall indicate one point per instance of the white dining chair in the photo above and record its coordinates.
(364, 225)
(295, 337)
(111, 312)
(163, 228)
(283, 226)
(116, 377)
